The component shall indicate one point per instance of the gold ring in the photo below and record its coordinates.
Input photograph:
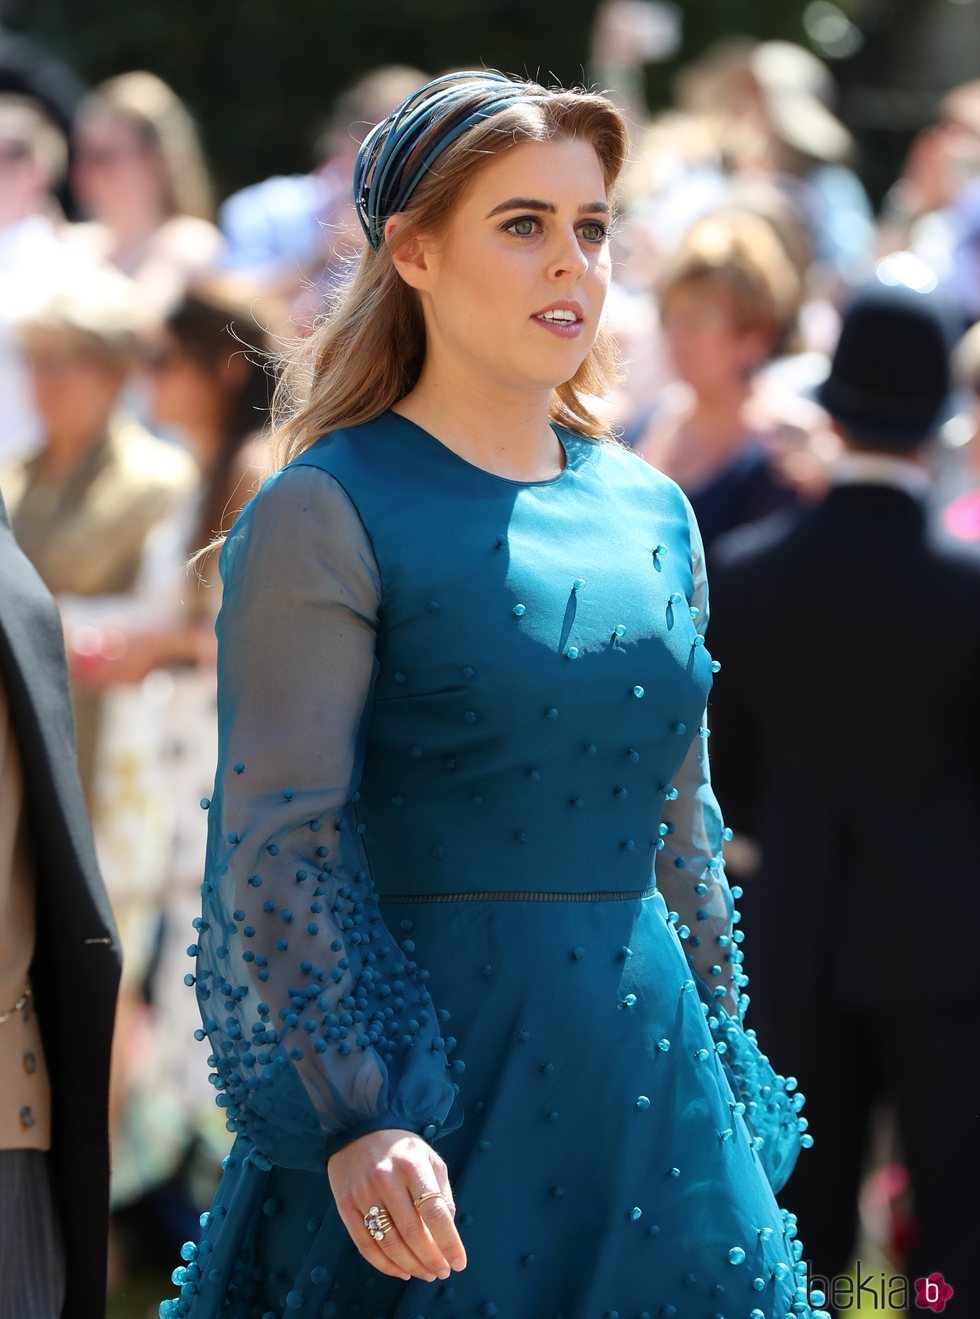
(377, 1222)
(428, 1195)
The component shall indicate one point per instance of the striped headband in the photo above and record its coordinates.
(386, 172)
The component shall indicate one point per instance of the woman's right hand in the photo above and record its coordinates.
(391, 1169)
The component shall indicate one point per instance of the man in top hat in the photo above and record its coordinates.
(845, 742)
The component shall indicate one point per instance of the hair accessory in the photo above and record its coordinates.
(387, 169)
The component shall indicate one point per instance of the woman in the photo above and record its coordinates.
(728, 303)
(140, 176)
(429, 910)
(82, 507)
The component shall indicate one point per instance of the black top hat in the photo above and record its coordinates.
(890, 382)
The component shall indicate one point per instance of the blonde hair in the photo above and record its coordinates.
(164, 126)
(368, 351)
(99, 309)
(740, 255)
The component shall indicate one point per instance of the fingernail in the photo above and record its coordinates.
(444, 1274)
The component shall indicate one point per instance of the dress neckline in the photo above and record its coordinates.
(564, 439)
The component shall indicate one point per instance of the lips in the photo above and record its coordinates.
(563, 319)
(563, 312)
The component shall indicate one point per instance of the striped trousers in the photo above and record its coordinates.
(32, 1266)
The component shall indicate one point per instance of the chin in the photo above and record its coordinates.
(560, 367)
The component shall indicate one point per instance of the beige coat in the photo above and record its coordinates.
(25, 1097)
(85, 534)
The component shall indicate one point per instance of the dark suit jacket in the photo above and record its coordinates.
(845, 738)
(75, 974)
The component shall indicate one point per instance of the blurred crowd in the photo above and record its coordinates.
(137, 364)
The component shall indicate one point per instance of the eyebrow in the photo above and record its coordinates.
(532, 204)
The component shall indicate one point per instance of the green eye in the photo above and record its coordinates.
(593, 231)
(523, 227)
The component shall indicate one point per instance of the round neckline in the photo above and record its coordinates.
(484, 471)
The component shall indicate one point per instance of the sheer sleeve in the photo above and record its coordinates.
(691, 876)
(690, 866)
(322, 1027)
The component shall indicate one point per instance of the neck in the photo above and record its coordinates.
(718, 419)
(63, 451)
(134, 225)
(17, 210)
(205, 439)
(504, 430)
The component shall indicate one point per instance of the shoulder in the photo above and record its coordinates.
(762, 541)
(275, 194)
(148, 463)
(958, 561)
(13, 482)
(188, 236)
(643, 475)
(298, 533)
(293, 507)
(86, 237)
(367, 458)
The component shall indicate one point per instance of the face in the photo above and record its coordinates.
(20, 178)
(179, 386)
(114, 170)
(708, 350)
(75, 389)
(513, 288)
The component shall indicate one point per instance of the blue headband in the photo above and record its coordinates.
(380, 186)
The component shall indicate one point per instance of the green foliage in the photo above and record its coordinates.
(260, 75)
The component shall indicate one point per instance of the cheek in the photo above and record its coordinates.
(60, 393)
(708, 347)
(85, 182)
(483, 294)
(601, 271)
(682, 345)
(161, 394)
(183, 393)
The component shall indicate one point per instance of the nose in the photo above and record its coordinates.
(567, 258)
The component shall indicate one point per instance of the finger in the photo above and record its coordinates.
(353, 1220)
(442, 1177)
(393, 1245)
(414, 1232)
(398, 1258)
(439, 1215)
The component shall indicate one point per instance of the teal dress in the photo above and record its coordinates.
(465, 878)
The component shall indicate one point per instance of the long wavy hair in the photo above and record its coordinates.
(367, 351)
(163, 125)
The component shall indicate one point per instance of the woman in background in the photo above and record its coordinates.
(82, 506)
(728, 303)
(140, 176)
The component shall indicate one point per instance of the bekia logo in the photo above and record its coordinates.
(932, 1293)
(873, 1293)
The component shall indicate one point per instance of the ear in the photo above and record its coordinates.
(411, 257)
